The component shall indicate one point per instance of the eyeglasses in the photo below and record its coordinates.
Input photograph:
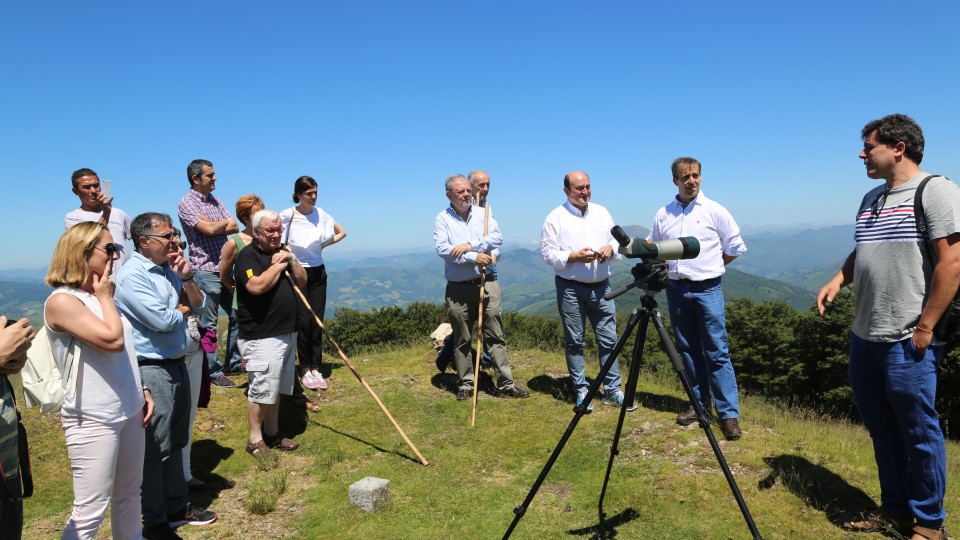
(878, 203)
(166, 236)
(278, 230)
(182, 245)
(112, 250)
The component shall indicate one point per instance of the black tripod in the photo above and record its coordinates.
(654, 278)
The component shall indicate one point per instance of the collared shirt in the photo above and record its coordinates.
(708, 222)
(566, 230)
(148, 295)
(449, 229)
(204, 250)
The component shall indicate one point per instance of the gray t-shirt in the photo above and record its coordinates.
(893, 268)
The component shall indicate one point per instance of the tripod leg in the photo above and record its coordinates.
(580, 410)
(629, 393)
(671, 351)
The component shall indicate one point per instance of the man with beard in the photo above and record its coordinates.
(458, 233)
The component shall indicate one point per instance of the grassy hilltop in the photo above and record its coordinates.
(799, 474)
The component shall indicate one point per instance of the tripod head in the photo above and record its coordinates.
(651, 276)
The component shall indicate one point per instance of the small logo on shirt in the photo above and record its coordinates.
(249, 273)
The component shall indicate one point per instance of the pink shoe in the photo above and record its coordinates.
(309, 381)
(321, 382)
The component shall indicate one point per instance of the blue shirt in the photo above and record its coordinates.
(449, 229)
(148, 295)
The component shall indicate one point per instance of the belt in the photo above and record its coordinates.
(686, 281)
(584, 283)
(159, 362)
(476, 281)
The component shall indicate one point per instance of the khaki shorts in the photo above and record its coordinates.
(270, 367)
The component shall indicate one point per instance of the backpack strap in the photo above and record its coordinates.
(918, 214)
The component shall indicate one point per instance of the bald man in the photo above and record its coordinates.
(577, 243)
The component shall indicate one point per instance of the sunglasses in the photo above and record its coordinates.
(112, 250)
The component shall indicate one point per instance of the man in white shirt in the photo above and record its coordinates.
(98, 206)
(577, 243)
(694, 296)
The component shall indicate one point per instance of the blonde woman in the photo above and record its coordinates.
(104, 417)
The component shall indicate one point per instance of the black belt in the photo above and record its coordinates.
(476, 281)
(686, 281)
(584, 283)
(158, 362)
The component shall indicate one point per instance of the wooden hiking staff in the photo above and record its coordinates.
(354, 370)
(483, 281)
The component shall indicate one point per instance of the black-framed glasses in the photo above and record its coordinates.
(878, 203)
(112, 250)
(182, 245)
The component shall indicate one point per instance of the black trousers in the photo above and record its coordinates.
(309, 335)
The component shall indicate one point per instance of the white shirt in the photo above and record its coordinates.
(566, 230)
(306, 234)
(119, 228)
(708, 222)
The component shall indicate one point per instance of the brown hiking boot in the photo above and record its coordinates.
(687, 417)
(879, 520)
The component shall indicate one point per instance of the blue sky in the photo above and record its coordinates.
(381, 101)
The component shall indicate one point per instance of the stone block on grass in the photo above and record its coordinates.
(370, 493)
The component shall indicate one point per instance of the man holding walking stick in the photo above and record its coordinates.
(465, 250)
(267, 317)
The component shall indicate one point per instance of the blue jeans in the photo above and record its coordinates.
(895, 389)
(577, 303)
(218, 297)
(700, 328)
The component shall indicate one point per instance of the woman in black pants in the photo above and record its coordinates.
(308, 230)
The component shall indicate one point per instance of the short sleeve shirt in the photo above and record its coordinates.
(273, 313)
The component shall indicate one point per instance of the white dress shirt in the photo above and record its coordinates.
(566, 230)
(708, 222)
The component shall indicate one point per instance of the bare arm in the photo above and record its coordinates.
(228, 255)
(66, 313)
(14, 342)
(262, 283)
(727, 259)
(843, 278)
(943, 288)
(338, 234)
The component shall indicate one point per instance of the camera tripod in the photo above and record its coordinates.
(653, 277)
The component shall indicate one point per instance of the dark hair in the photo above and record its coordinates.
(144, 224)
(680, 162)
(80, 173)
(566, 179)
(895, 128)
(302, 184)
(195, 168)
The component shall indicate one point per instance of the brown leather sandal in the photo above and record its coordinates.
(923, 533)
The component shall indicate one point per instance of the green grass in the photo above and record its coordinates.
(799, 474)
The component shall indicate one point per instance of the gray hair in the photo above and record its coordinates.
(143, 225)
(448, 185)
(261, 215)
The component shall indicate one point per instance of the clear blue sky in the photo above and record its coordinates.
(381, 101)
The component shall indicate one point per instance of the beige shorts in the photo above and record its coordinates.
(270, 367)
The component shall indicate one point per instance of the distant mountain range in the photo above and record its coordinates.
(777, 266)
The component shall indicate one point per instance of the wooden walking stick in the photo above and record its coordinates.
(483, 280)
(353, 369)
